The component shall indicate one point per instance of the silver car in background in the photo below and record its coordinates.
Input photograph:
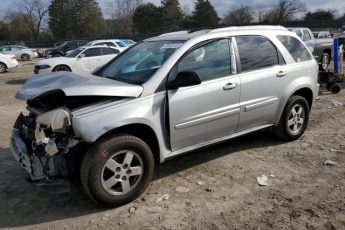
(21, 52)
(160, 98)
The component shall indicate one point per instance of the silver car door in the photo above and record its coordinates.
(262, 75)
(209, 110)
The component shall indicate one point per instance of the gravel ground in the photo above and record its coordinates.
(212, 188)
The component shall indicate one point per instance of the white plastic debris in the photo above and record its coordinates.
(337, 103)
(329, 162)
(164, 197)
(262, 180)
(181, 189)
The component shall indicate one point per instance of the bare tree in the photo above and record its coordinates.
(34, 13)
(121, 12)
(240, 16)
(286, 10)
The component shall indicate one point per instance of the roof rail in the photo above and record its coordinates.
(175, 33)
(234, 28)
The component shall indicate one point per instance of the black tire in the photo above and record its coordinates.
(62, 68)
(57, 55)
(335, 88)
(93, 169)
(283, 130)
(3, 67)
(325, 61)
(25, 57)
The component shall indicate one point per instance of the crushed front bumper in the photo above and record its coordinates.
(31, 163)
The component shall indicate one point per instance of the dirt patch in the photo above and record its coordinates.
(213, 188)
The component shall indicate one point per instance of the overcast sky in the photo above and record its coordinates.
(222, 6)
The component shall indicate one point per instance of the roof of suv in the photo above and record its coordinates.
(186, 35)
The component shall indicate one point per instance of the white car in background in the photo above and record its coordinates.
(22, 52)
(117, 43)
(7, 61)
(81, 60)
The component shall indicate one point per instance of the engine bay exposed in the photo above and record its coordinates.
(47, 133)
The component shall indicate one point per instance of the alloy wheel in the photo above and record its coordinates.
(122, 172)
(296, 119)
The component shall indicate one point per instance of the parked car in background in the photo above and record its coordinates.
(21, 52)
(81, 60)
(64, 47)
(118, 44)
(323, 51)
(7, 61)
(307, 37)
(129, 42)
(322, 34)
(163, 97)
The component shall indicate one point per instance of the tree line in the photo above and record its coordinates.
(71, 19)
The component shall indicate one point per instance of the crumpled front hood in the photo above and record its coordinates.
(76, 85)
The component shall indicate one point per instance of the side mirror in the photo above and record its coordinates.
(185, 78)
(81, 56)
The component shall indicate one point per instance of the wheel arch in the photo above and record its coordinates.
(4, 64)
(62, 65)
(307, 93)
(142, 131)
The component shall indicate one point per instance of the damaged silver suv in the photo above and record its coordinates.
(160, 98)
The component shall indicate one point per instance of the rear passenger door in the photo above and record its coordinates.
(262, 80)
(210, 110)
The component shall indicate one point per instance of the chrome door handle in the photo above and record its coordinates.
(281, 74)
(230, 86)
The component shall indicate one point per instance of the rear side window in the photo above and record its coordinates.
(109, 51)
(297, 50)
(256, 52)
(92, 52)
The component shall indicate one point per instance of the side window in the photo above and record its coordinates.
(256, 52)
(109, 51)
(209, 61)
(121, 44)
(98, 44)
(110, 44)
(306, 36)
(92, 52)
(297, 50)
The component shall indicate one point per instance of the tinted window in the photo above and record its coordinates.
(108, 51)
(256, 52)
(297, 50)
(209, 61)
(110, 44)
(92, 52)
(98, 44)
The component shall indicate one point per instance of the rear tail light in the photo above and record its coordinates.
(13, 58)
(34, 50)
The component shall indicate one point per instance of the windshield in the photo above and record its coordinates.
(140, 62)
(75, 52)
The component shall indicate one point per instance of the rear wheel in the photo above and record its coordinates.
(294, 119)
(117, 170)
(57, 55)
(335, 88)
(25, 57)
(3, 67)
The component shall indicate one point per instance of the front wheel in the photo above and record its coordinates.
(25, 57)
(117, 170)
(294, 119)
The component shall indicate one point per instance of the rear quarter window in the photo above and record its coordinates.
(295, 47)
